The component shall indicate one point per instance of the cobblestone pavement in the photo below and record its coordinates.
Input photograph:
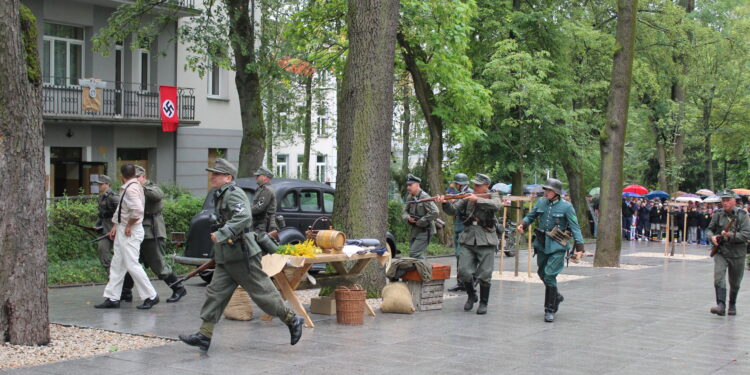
(635, 320)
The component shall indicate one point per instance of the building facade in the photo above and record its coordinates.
(92, 129)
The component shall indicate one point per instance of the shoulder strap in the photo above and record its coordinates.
(119, 212)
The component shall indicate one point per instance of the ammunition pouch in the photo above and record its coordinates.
(541, 236)
(560, 236)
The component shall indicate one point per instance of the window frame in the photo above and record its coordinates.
(50, 80)
(219, 79)
(144, 87)
(319, 165)
(285, 166)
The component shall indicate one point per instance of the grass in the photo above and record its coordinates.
(89, 271)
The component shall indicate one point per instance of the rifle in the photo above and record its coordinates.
(97, 239)
(93, 231)
(194, 272)
(448, 197)
(720, 240)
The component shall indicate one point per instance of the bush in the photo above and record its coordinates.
(66, 241)
(177, 214)
(396, 224)
(76, 272)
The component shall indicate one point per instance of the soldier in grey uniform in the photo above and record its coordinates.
(732, 251)
(554, 214)
(419, 216)
(478, 240)
(461, 181)
(108, 201)
(237, 257)
(264, 203)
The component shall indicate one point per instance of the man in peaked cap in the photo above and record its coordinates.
(731, 253)
(554, 214)
(264, 203)
(237, 257)
(478, 240)
(420, 216)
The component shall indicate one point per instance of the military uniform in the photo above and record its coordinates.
(731, 254)
(237, 257)
(461, 181)
(424, 228)
(478, 243)
(264, 205)
(550, 254)
(107, 205)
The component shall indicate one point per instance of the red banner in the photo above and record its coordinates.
(168, 100)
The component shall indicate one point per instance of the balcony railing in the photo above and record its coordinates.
(121, 100)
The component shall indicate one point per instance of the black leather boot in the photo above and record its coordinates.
(295, 328)
(550, 299)
(458, 288)
(720, 308)
(196, 339)
(558, 299)
(484, 297)
(108, 304)
(732, 302)
(148, 303)
(472, 294)
(178, 290)
(127, 289)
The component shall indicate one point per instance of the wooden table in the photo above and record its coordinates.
(287, 284)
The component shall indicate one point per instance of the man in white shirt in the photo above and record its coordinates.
(127, 235)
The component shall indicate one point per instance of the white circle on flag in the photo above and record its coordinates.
(167, 108)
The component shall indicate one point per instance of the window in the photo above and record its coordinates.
(62, 58)
(320, 168)
(215, 81)
(328, 202)
(289, 202)
(309, 200)
(282, 165)
(321, 130)
(300, 164)
(145, 71)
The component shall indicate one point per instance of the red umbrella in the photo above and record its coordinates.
(638, 189)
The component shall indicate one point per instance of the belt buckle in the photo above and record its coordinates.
(473, 223)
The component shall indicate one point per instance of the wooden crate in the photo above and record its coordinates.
(426, 295)
(439, 272)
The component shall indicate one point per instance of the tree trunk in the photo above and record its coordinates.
(365, 118)
(612, 140)
(405, 131)
(269, 134)
(24, 316)
(678, 95)
(577, 193)
(707, 108)
(247, 80)
(427, 102)
(307, 130)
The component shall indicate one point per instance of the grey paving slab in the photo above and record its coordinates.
(614, 321)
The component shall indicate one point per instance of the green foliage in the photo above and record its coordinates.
(396, 224)
(177, 214)
(78, 271)
(65, 241)
(30, 32)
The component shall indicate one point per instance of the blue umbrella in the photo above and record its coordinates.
(533, 188)
(657, 194)
(628, 195)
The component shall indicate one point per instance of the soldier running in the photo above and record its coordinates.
(419, 216)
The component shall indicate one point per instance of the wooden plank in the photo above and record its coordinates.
(339, 267)
(502, 241)
(325, 258)
(513, 198)
(298, 275)
(528, 247)
(286, 288)
(359, 267)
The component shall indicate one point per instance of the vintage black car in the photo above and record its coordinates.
(300, 202)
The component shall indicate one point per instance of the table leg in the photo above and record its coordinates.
(339, 267)
(286, 288)
(359, 266)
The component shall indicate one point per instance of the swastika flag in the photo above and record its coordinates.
(168, 100)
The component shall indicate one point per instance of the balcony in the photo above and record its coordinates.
(119, 101)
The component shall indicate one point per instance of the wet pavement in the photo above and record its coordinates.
(639, 320)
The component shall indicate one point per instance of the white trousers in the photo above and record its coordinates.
(125, 260)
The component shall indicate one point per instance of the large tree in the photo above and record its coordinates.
(24, 316)
(612, 138)
(365, 110)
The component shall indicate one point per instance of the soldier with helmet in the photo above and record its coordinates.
(557, 225)
(732, 251)
(478, 240)
(108, 201)
(461, 183)
(264, 203)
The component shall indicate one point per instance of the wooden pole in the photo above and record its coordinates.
(528, 247)
(669, 230)
(502, 239)
(684, 233)
(518, 242)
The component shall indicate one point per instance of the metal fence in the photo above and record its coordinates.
(119, 100)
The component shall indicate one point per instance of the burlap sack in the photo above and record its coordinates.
(239, 307)
(397, 299)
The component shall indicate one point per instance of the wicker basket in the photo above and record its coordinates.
(350, 305)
